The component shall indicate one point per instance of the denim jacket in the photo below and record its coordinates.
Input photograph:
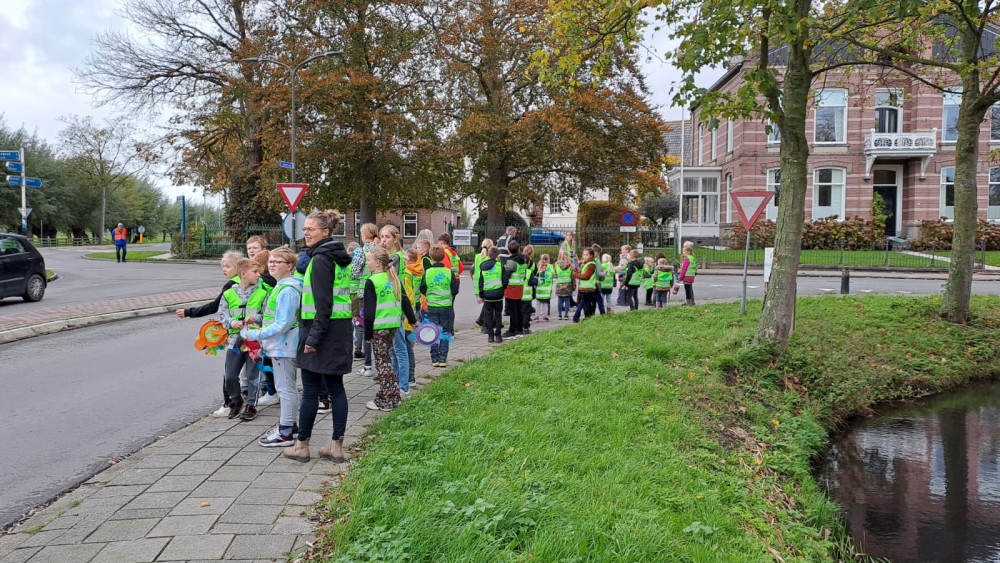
(279, 339)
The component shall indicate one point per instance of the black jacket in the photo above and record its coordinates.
(210, 308)
(332, 338)
(371, 303)
(493, 294)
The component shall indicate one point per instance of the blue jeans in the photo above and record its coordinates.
(441, 316)
(400, 358)
(564, 305)
(310, 403)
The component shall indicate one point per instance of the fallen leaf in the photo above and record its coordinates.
(204, 504)
(470, 384)
(614, 354)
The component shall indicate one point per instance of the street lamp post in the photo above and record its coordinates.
(293, 72)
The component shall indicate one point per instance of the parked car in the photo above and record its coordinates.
(22, 269)
(547, 237)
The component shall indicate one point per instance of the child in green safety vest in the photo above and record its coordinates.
(633, 279)
(242, 304)
(543, 289)
(530, 281)
(492, 279)
(384, 305)
(608, 283)
(663, 282)
(439, 288)
(689, 269)
(647, 279)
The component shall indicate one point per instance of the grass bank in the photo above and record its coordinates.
(136, 255)
(649, 436)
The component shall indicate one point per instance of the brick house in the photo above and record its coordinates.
(870, 132)
(409, 222)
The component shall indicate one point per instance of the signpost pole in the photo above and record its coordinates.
(746, 259)
(24, 194)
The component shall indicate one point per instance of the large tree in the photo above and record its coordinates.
(951, 46)
(525, 139)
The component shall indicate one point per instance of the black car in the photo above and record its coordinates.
(22, 269)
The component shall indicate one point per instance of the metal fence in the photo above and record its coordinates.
(549, 239)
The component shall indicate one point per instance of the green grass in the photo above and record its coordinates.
(132, 254)
(649, 436)
(813, 257)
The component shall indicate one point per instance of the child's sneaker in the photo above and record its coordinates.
(234, 408)
(249, 413)
(546, 319)
(365, 371)
(275, 438)
(490, 339)
(221, 413)
(324, 407)
(442, 364)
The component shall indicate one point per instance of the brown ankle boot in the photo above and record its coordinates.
(335, 452)
(298, 452)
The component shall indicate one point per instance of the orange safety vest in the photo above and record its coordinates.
(121, 234)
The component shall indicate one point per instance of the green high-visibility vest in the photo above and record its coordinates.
(476, 261)
(388, 307)
(591, 282)
(341, 308)
(609, 275)
(664, 280)
(453, 258)
(240, 310)
(647, 278)
(517, 277)
(528, 295)
(402, 262)
(564, 275)
(543, 291)
(271, 305)
(438, 281)
(636, 279)
(692, 270)
(492, 278)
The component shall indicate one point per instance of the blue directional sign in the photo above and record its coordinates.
(29, 182)
(15, 167)
(10, 155)
(285, 164)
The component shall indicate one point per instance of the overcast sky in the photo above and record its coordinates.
(42, 40)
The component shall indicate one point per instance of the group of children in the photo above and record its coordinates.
(515, 279)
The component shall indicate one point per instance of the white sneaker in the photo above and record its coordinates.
(404, 394)
(223, 412)
(372, 406)
(366, 372)
(267, 400)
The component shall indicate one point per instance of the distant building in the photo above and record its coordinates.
(409, 222)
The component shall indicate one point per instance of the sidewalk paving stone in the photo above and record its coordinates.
(183, 526)
(251, 514)
(119, 530)
(156, 500)
(193, 506)
(260, 547)
(75, 553)
(197, 547)
(173, 483)
(134, 551)
(224, 489)
(265, 496)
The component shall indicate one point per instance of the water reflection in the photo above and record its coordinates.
(922, 483)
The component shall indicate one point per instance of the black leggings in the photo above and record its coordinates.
(632, 297)
(689, 291)
(310, 403)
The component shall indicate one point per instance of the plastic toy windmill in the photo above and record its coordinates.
(428, 334)
(211, 338)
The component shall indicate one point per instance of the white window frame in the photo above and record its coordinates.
(729, 136)
(699, 189)
(993, 209)
(557, 204)
(945, 210)
(823, 98)
(729, 197)
(818, 211)
(995, 124)
(411, 220)
(357, 226)
(714, 137)
(774, 135)
(898, 106)
(701, 144)
(342, 231)
(773, 185)
(949, 101)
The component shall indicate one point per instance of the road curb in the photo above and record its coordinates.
(52, 327)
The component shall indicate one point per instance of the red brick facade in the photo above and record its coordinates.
(409, 223)
(908, 161)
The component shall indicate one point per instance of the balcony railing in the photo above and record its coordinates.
(920, 144)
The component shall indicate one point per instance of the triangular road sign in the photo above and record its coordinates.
(292, 193)
(751, 205)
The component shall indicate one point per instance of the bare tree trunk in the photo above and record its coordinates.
(778, 316)
(958, 288)
(104, 209)
(496, 201)
(365, 205)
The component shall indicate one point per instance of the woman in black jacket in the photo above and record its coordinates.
(324, 349)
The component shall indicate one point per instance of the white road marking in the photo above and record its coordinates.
(753, 287)
(826, 289)
(865, 290)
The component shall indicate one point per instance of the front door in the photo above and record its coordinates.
(885, 182)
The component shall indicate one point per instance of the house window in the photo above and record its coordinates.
(993, 212)
(357, 226)
(409, 225)
(773, 134)
(949, 117)
(948, 192)
(729, 191)
(828, 193)
(887, 111)
(557, 204)
(831, 116)
(700, 201)
(995, 124)
(729, 135)
(715, 142)
(342, 229)
(773, 185)
(701, 144)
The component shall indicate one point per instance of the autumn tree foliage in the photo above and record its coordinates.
(523, 139)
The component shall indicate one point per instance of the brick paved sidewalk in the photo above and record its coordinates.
(208, 491)
(68, 312)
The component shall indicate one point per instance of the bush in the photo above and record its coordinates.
(192, 245)
(510, 218)
(761, 234)
(825, 234)
(937, 235)
(600, 220)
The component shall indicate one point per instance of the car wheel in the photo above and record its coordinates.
(36, 288)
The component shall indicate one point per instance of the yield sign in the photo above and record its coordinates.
(751, 205)
(292, 193)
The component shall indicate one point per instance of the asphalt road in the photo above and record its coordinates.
(77, 398)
